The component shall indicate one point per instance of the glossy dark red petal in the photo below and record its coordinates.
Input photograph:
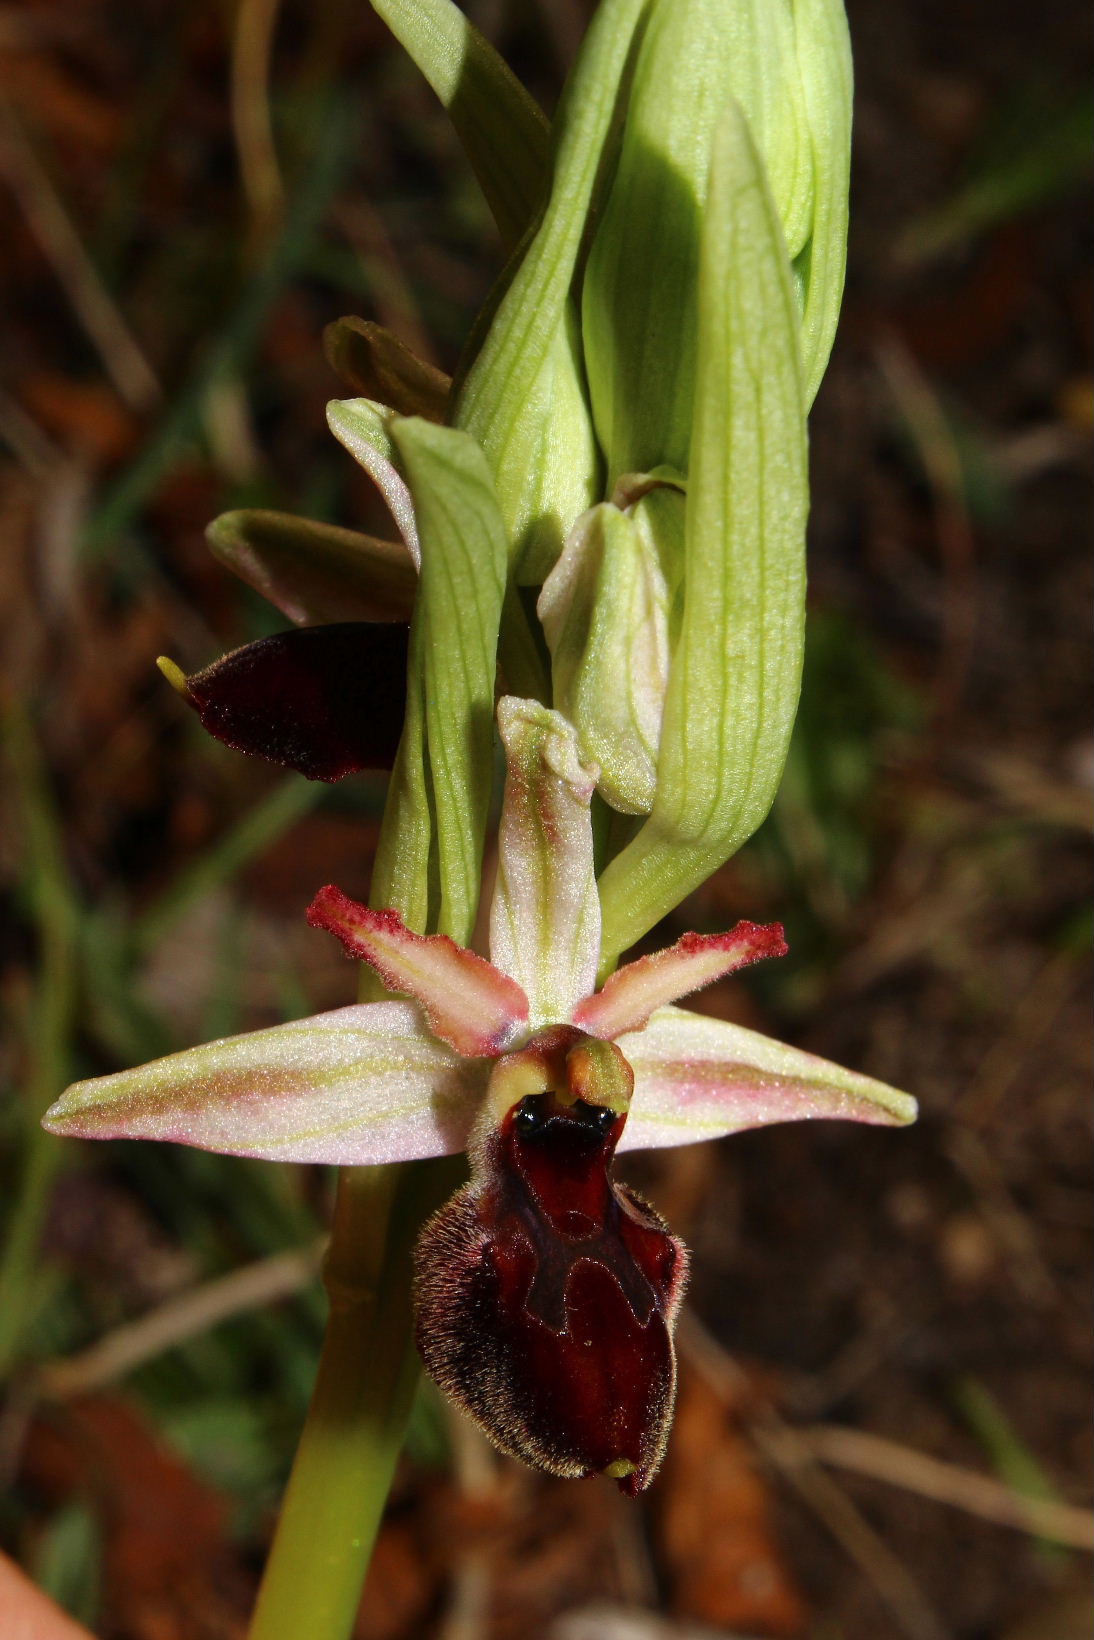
(546, 1297)
(324, 700)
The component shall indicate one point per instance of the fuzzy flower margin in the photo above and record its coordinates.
(404, 1079)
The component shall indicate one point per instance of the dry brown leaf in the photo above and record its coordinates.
(169, 1570)
(714, 1525)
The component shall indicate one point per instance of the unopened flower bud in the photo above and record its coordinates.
(606, 610)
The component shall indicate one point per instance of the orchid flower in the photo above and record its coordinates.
(546, 1291)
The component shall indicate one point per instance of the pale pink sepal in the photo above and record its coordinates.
(697, 1078)
(362, 426)
(545, 917)
(359, 1085)
(466, 1000)
(632, 993)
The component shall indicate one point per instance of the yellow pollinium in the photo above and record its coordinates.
(174, 674)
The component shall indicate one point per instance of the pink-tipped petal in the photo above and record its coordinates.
(698, 1078)
(632, 993)
(468, 1002)
(359, 1085)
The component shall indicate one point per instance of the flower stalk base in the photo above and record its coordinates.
(360, 1405)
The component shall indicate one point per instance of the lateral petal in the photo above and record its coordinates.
(631, 994)
(356, 1086)
(469, 1004)
(698, 1078)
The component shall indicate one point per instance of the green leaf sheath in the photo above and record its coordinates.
(400, 871)
(455, 635)
(504, 134)
(528, 365)
(735, 675)
(824, 60)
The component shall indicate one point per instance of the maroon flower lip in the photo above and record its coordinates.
(546, 1295)
(326, 701)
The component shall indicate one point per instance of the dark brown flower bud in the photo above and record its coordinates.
(323, 700)
(546, 1291)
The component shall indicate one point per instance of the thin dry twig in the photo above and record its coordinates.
(981, 1495)
(179, 1320)
(29, 443)
(472, 1577)
(107, 330)
(1032, 1020)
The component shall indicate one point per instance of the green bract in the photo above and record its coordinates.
(784, 65)
(733, 687)
(640, 291)
(504, 133)
(445, 770)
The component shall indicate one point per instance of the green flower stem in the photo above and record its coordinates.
(355, 1425)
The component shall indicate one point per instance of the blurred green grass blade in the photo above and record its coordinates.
(54, 912)
(142, 142)
(1048, 153)
(223, 1011)
(270, 818)
(232, 349)
(427, 1442)
(1008, 1454)
(66, 1563)
(504, 133)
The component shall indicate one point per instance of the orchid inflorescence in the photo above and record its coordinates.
(546, 1292)
(607, 507)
